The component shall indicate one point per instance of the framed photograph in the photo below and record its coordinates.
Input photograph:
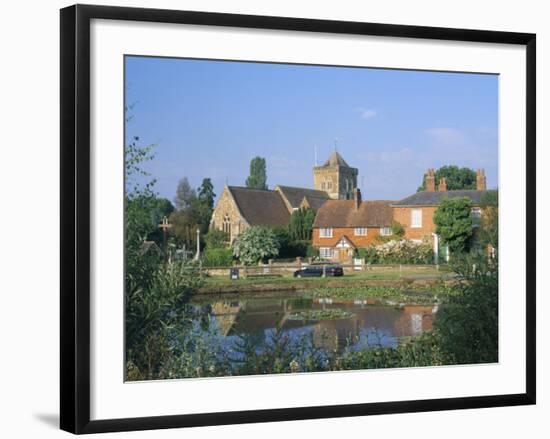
(274, 218)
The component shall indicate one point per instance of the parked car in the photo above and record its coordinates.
(316, 270)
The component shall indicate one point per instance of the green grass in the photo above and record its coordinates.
(389, 274)
(408, 295)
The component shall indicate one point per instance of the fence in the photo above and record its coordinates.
(280, 269)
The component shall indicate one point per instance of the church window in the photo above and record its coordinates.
(226, 225)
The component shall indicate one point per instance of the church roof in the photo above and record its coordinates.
(426, 198)
(260, 207)
(336, 159)
(313, 202)
(342, 213)
(295, 196)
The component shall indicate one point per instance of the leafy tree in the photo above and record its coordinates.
(489, 219)
(456, 178)
(153, 210)
(216, 239)
(453, 220)
(258, 175)
(184, 227)
(301, 224)
(255, 244)
(186, 196)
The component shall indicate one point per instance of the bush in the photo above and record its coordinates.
(467, 325)
(216, 239)
(398, 252)
(217, 257)
(256, 244)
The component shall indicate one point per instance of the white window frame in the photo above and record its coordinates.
(360, 231)
(385, 231)
(325, 232)
(326, 252)
(416, 222)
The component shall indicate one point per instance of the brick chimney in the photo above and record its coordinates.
(442, 187)
(430, 180)
(357, 198)
(481, 180)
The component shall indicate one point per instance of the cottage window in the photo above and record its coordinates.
(226, 225)
(360, 231)
(416, 218)
(325, 252)
(385, 231)
(325, 232)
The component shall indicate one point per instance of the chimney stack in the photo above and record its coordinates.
(357, 197)
(481, 180)
(442, 187)
(430, 180)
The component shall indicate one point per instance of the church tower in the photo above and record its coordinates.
(336, 178)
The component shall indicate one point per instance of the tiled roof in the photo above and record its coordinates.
(295, 195)
(335, 159)
(342, 213)
(314, 202)
(426, 198)
(260, 207)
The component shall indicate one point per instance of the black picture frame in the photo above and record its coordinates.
(75, 217)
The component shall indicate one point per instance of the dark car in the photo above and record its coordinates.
(316, 270)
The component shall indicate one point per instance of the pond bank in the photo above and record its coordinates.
(299, 285)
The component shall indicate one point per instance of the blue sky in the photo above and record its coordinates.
(209, 118)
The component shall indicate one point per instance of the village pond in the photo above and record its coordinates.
(333, 324)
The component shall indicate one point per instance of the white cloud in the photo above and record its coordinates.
(446, 136)
(367, 114)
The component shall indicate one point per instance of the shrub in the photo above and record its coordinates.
(216, 239)
(467, 324)
(217, 257)
(401, 251)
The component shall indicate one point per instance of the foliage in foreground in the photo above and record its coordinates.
(465, 332)
(467, 325)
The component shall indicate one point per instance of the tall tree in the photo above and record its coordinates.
(301, 224)
(457, 178)
(185, 194)
(453, 220)
(258, 175)
(206, 193)
(206, 201)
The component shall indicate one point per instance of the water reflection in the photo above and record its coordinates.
(365, 323)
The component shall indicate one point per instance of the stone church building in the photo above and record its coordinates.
(239, 208)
